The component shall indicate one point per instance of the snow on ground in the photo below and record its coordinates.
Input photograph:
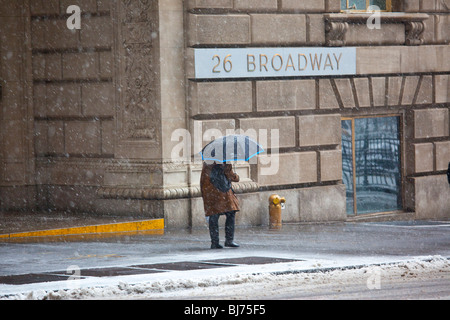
(268, 283)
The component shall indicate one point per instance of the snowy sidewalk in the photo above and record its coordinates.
(222, 282)
(181, 259)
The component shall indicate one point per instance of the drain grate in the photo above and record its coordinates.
(179, 266)
(113, 272)
(32, 278)
(141, 269)
(252, 260)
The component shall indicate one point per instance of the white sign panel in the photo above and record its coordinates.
(223, 63)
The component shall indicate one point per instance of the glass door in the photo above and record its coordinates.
(371, 164)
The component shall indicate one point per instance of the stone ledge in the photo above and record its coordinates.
(166, 193)
(273, 6)
(385, 17)
(337, 25)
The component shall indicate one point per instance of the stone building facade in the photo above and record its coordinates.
(91, 118)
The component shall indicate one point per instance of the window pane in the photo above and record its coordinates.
(359, 4)
(347, 163)
(377, 153)
(343, 4)
(380, 3)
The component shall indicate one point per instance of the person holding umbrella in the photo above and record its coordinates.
(219, 199)
(215, 183)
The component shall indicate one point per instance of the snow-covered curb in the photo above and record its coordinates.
(173, 284)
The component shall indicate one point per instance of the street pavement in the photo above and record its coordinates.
(181, 254)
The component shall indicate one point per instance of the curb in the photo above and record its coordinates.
(154, 226)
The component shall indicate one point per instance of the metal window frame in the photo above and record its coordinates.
(388, 7)
(402, 175)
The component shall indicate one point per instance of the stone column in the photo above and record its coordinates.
(16, 108)
(151, 95)
(138, 73)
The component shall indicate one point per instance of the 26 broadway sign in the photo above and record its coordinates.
(273, 62)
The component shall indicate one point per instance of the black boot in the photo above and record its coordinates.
(229, 230)
(214, 231)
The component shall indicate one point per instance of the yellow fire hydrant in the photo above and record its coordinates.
(276, 204)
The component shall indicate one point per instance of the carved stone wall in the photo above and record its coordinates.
(137, 57)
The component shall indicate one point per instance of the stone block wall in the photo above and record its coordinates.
(437, 30)
(87, 116)
(429, 150)
(73, 80)
(16, 115)
(258, 22)
(94, 102)
(289, 22)
(305, 158)
(393, 78)
(74, 99)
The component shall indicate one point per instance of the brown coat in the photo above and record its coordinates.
(214, 200)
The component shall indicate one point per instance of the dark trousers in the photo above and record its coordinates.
(229, 227)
